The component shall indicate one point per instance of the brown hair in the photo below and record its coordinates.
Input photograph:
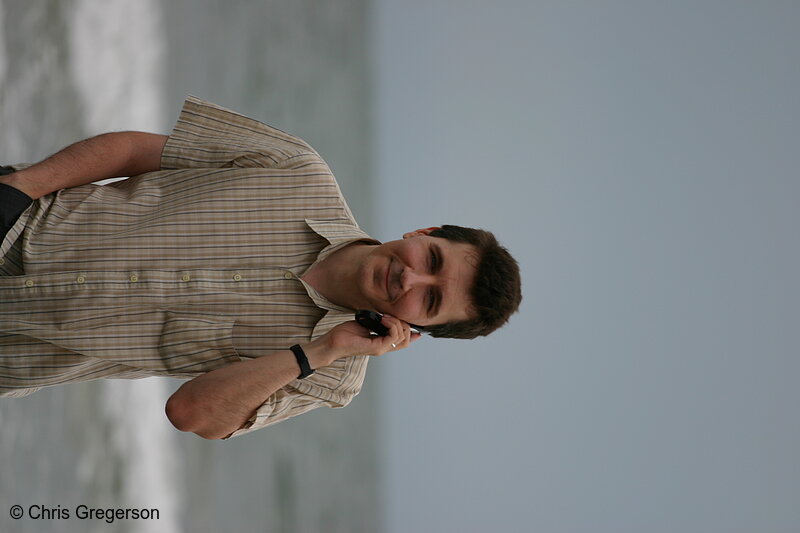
(496, 293)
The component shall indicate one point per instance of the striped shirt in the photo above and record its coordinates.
(181, 271)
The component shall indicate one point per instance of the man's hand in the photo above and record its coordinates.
(13, 202)
(13, 180)
(350, 338)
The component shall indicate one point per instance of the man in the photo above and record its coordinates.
(229, 257)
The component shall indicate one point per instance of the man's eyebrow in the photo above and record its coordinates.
(437, 302)
(437, 250)
(437, 293)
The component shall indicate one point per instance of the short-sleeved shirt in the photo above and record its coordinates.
(181, 271)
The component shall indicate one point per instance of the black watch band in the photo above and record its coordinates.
(302, 361)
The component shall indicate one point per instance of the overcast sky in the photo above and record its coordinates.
(640, 161)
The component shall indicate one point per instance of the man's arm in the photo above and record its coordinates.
(111, 155)
(217, 403)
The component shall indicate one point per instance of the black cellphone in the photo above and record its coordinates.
(372, 321)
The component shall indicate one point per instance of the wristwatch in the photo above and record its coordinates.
(302, 361)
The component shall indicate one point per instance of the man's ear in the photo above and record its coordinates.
(424, 231)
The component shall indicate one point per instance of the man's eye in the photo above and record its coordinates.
(430, 301)
(433, 261)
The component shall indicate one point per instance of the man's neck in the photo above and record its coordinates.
(336, 276)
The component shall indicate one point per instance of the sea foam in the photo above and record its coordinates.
(116, 64)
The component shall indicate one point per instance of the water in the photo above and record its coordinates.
(74, 68)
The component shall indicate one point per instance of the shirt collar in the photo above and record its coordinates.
(338, 235)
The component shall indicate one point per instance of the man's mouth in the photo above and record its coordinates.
(388, 273)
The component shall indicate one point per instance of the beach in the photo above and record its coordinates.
(73, 69)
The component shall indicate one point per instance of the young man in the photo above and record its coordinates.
(231, 258)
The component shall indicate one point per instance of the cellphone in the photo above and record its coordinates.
(372, 321)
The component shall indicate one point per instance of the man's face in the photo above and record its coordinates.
(420, 279)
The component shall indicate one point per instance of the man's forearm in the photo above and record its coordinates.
(110, 155)
(217, 403)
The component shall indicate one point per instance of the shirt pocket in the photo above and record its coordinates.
(192, 345)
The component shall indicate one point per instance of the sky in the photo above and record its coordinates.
(639, 159)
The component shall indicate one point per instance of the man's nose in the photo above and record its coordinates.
(412, 278)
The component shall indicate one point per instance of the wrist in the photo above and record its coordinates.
(319, 354)
(18, 181)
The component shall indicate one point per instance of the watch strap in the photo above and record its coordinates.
(302, 361)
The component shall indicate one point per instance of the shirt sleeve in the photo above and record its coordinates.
(209, 136)
(284, 404)
(332, 386)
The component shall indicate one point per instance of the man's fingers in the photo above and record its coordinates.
(399, 336)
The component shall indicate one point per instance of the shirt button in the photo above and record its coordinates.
(237, 277)
(288, 275)
(80, 279)
(29, 283)
(134, 278)
(2, 261)
(186, 277)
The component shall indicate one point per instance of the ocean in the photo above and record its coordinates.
(70, 69)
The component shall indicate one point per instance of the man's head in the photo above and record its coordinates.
(496, 291)
(455, 282)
